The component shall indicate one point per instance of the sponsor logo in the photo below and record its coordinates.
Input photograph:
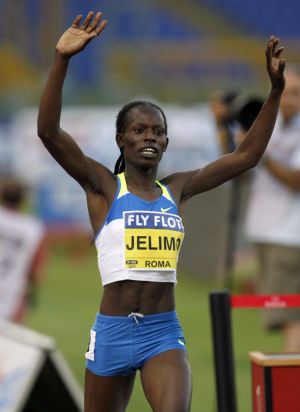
(153, 220)
(181, 342)
(164, 210)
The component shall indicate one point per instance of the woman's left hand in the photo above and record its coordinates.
(275, 64)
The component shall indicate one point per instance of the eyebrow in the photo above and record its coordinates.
(156, 126)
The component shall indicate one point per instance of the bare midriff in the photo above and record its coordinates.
(127, 296)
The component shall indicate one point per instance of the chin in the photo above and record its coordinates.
(148, 164)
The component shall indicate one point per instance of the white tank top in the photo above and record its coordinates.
(140, 239)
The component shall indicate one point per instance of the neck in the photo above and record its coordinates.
(144, 179)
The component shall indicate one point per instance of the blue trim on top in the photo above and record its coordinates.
(171, 195)
(147, 202)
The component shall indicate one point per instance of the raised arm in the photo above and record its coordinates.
(59, 143)
(252, 147)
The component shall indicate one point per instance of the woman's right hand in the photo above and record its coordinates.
(79, 35)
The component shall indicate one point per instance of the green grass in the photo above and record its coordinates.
(68, 301)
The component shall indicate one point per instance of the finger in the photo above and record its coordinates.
(270, 51)
(275, 46)
(269, 48)
(94, 23)
(281, 67)
(270, 44)
(279, 52)
(76, 21)
(87, 20)
(101, 27)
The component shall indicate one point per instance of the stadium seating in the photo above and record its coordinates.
(261, 17)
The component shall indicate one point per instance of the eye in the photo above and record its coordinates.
(159, 132)
(138, 130)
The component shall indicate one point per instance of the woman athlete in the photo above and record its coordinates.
(138, 233)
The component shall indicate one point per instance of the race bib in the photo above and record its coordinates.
(152, 240)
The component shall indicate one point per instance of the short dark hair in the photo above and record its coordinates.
(121, 124)
(12, 192)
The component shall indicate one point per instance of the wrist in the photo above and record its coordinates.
(276, 91)
(59, 56)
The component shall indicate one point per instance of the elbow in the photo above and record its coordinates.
(44, 132)
(41, 133)
(253, 161)
(249, 161)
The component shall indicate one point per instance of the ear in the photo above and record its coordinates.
(166, 145)
(119, 140)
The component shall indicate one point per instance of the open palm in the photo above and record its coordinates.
(79, 35)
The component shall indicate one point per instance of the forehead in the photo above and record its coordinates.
(145, 115)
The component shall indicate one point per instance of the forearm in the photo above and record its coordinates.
(288, 177)
(51, 100)
(258, 136)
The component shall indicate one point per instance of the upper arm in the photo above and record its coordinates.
(87, 172)
(68, 154)
(184, 185)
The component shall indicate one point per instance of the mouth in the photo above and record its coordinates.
(149, 152)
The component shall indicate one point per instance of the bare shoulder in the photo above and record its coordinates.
(177, 183)
(188, 184)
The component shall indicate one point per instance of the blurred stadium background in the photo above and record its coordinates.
(176, 53)
(171, 50)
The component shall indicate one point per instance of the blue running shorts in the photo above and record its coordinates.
(119, 345)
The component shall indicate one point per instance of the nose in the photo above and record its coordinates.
(150, 136)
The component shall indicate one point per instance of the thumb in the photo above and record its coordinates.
(281, 66)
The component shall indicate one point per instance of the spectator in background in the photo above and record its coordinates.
(21, 252)
(221, 104)
(235, 114)
(273, 217)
